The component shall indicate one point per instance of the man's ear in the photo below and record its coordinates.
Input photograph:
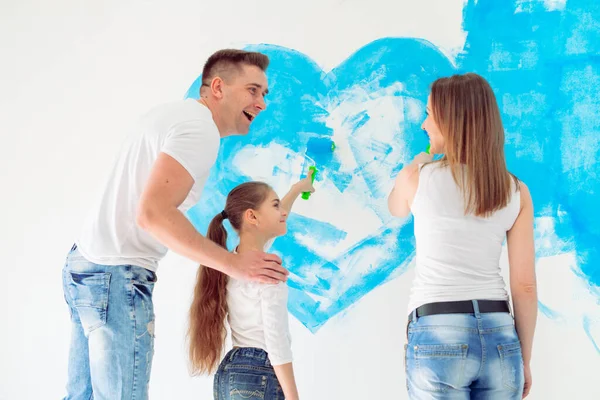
(216, 87)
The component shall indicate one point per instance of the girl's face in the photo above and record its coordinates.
(436, 139)
(270, 219)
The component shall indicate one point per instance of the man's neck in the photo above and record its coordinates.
(206, 102)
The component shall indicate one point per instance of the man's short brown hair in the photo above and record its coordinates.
(225, 62)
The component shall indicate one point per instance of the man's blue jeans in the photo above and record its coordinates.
(112, 337)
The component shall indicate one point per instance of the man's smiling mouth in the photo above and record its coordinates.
(249, 115)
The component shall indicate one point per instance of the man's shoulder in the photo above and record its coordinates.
(181, 117)
(187, 109)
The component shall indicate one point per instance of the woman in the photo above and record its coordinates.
(260, 364)
(463, 342)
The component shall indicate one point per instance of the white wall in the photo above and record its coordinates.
(74, 74)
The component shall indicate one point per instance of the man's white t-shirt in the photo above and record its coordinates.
(184, 130)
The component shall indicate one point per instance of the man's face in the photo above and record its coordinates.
(243, 99)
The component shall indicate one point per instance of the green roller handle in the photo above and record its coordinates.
(306, 195)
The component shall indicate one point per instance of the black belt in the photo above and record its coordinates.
(461, 307)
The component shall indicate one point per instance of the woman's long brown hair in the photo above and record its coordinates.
(466, 112)
(207, 331)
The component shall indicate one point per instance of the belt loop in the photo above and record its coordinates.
(233, 354)
(476, 309)
(414, 316)
(510, 310)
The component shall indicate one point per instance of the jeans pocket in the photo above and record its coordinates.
(440, 366)
(247, 386)
(89, 296)
(511, 360)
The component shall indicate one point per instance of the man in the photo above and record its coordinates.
(110, 272)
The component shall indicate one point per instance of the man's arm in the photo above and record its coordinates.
(158, 214)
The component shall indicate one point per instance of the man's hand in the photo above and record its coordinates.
(257, 266)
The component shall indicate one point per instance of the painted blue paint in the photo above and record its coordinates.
(545, 69)
(550, 108)
(587, 328)
(548, 312)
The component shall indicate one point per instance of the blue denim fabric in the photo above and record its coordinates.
(112, 337)
(246, 373)
(464, 356)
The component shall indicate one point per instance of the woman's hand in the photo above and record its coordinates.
(527, 387)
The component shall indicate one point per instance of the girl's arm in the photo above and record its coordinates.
(304, 185)
(277, 337)
(285, 376)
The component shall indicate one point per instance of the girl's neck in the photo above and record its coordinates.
(251, 242)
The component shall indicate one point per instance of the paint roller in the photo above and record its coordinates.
(428, 149)
(320, 152)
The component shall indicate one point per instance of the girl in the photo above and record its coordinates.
(462, 341)
(260, 363)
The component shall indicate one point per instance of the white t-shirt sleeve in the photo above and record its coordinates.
(275, 319)
(193, 144)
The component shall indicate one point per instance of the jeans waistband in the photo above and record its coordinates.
(252, 355)
(461, 307)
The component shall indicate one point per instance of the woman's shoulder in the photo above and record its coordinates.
(524, 195)
(419, 171)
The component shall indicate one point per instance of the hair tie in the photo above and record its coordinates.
(224, 214)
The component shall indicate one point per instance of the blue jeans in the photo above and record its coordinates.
(112, 336)
(246, 373)
(464, 356)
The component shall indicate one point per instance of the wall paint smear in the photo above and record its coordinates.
(541, 58)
